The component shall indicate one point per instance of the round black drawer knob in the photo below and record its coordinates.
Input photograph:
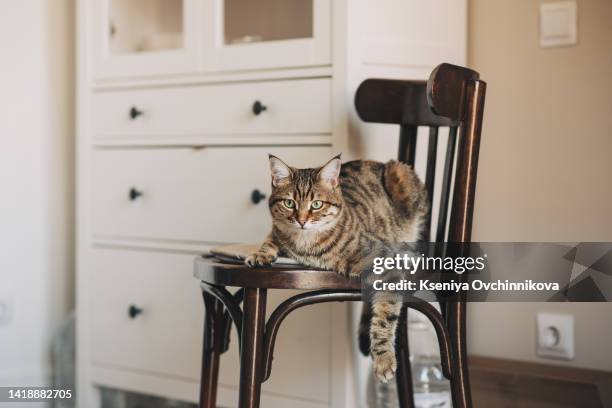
(257, 196)
(134, 311)
(135, 113)
(259, 107)
(134, 194)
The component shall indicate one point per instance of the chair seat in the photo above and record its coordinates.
(211, 269)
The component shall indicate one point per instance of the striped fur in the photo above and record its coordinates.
(362, 204)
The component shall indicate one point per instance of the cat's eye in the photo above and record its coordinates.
(316, 204)
(289, 203)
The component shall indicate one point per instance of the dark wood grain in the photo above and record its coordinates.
(396, 102)
(446, 91)
(276, 277)
(403, 376)
(251, 350)
(446, 183)
(407, 144)
(211, 350)
(510, 383)
(230, 305)
(462, 209)
(430, 176)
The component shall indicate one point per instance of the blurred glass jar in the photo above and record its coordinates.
(431, 388)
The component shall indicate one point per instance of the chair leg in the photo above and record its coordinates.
(403, 376)
(214, 334)
(251, 353)
(460, 380)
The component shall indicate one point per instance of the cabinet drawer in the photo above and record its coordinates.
(165, 337)
(196, 195)
(285, 107)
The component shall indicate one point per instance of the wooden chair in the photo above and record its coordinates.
(453, 97)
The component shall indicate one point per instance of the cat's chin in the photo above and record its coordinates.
(314, 229)
(306, 228)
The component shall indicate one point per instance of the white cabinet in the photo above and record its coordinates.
(139, 38)
(138, 298)
(154, 318)
(179, 103)
(196, 195)
(246, 34)
(297, 107)
(133, 38)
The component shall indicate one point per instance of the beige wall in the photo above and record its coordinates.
(546, 160)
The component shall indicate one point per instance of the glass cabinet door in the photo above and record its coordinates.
(145, 37)
(137, 26)
(250, 34)
(247, 21)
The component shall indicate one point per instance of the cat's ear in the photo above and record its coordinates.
(281, 173)
(330, 172)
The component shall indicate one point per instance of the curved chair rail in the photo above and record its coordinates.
(234, 313)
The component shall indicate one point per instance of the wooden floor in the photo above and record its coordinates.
(507, 383)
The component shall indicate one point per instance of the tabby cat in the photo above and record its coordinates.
(325, 217)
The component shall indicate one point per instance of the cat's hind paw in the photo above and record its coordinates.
(385, 366)
(259, 259)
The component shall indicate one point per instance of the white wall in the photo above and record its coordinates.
(36, 181)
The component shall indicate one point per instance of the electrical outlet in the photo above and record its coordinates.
(555, 336)
(5, 310)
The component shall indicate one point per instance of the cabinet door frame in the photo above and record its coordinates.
(300, 52)
(155, 63)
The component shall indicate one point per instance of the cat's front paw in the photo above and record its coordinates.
(260, 259)
(385, 366)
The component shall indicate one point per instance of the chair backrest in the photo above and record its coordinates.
(453, 97)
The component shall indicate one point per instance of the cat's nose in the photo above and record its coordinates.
(301, 222)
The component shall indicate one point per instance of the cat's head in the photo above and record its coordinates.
(305, 199)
